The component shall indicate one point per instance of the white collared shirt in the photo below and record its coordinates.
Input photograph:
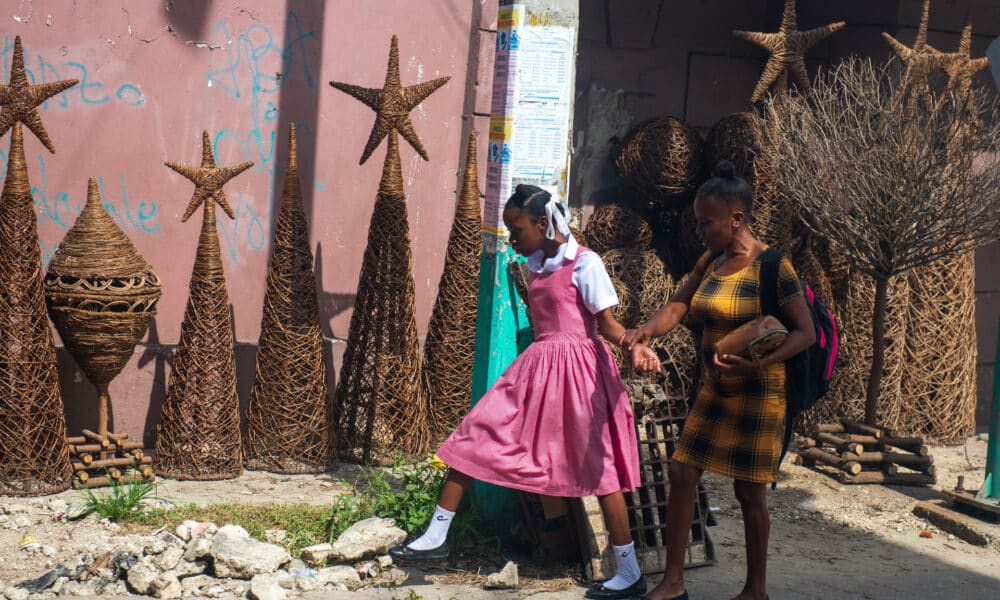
(589, 274)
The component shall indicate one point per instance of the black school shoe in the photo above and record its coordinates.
(405, 553)
(599, 592)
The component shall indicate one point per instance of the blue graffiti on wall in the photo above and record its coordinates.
(61, 209)
(255, 66)
(89, 91)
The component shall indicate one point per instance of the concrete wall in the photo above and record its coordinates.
(648, 58)
(155, 74)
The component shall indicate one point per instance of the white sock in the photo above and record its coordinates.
(628, 568)
(437, 531)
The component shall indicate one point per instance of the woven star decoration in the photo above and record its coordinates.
(19, 99)
(208, 179)
(962, 67)
(392, 104)
(920, 60)
(787, 47)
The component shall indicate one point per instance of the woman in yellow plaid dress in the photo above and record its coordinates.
(734, 427)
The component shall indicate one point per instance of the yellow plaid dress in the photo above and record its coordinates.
(734, 427)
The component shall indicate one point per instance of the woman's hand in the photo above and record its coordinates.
(732, 364)
(633, 337)
(644, 359)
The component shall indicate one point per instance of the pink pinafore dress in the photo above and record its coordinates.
(558, 421)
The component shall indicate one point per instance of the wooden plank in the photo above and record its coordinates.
(958, 524)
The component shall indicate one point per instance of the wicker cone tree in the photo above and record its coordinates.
(450, 346)
(893, 189)
(289, 416)
(380, 408)
(199, 432)
(34, 458)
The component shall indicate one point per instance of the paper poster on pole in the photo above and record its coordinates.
(545, 74)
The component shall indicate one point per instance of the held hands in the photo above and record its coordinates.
(644, 358)
(633, 337)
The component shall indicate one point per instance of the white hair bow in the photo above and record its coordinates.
(557, 217)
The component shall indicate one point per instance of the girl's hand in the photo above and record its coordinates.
(732, 364)
(633, 337)
(644, 359)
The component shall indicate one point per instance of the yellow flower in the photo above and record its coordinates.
(437, 463)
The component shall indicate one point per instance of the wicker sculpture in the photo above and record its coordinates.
(199, 432)
(677, 242)
(101, 295)
(643, 273)
(380, 409)
(939, 382)
(939, 388)
(659, 165)
(289, 414)
(787, 48)
(920, 61)
(615, 226)
(34, 458)
(449, 349)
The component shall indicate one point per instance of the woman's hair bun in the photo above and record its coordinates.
(725, 169)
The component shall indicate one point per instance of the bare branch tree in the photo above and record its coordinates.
(895, 185)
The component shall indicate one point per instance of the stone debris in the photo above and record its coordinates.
(505, 579)
(203, 560)
(366, 539)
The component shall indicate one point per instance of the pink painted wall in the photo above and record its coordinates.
(154, 75)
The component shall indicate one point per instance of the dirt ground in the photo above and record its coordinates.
(828, 540)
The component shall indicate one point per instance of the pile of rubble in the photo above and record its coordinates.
(204, 560)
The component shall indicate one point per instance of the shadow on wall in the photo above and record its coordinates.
(187, 18)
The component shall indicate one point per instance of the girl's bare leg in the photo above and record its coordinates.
(680, 514)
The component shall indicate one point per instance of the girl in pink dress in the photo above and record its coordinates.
(558, 421)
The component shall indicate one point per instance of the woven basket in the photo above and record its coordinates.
(101, 293)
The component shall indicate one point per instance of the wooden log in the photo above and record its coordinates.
(840, 444)
(82, 476)
(103, 481)
(76, 440)
(910, 444)
(137, 454)
(861, 428)
(820, 455)
(81, 448)
(86, 459)
(890, 469)
(862, 439)
(115, 474)
(94, 437)
(118, 438)
(803, 461)
(828, 428)
(897, 458)
(147, 472)
(810, 442)
(881, 478)
(929, 470)
(114, 462)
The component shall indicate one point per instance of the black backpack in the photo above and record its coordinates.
(808, 373)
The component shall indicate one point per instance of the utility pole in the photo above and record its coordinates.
(531, 119)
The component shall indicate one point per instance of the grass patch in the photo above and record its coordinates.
(306, 524)
(120, 501)
(406, 493)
